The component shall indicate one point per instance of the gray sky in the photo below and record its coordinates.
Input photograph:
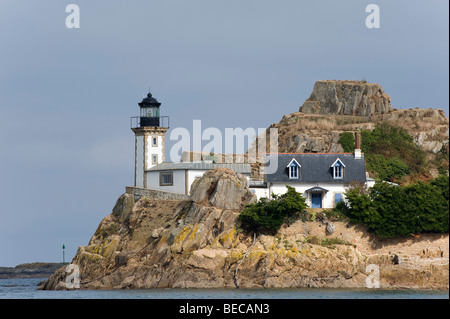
(67, 95)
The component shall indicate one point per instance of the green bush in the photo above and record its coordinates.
(272, 214)
(347, 141)
(388, 210)
(390, 151)
(336, 213)
(389, 169)
(391, 141)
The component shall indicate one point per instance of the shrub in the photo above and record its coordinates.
(390, 211)
(347, 141)
(337, 213)
(390, 151)
(272, 214)
(390, 169)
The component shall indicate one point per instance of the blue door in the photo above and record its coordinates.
(337, 198)
(316, 200)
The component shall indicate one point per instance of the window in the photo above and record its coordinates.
(337, 198)
(293, 171)
(294, 168)
(154, 159)
(166, 179)
(154, 141)
(338, 169)
(338, 172)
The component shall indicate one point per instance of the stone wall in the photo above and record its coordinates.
(154, 194)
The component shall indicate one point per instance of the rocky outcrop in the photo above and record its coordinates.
(315, 133)
(222, 188)
(197, 244)
(347, 98)
(163, 243)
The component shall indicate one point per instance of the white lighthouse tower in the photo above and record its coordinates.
(150, 129)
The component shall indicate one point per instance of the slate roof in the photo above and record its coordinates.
(316, 168)
(203, 165)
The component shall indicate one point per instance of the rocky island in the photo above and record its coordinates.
(196, 241)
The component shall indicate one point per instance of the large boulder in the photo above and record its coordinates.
(347, 98)
(222, 188)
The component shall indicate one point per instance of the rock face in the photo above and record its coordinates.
(195, 244)
(164, 243)
(222, 188)
(347, 98)
(316, 133)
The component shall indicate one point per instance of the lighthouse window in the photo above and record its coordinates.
(147, 112)
(154, 141)
(166, 179)
(154, 159)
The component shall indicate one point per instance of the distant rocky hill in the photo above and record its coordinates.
(30, 270)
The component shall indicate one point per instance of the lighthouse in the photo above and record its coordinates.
(149, 129)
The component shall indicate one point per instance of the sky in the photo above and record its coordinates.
(67, 94)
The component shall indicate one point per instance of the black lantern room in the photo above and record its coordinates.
(149, 111)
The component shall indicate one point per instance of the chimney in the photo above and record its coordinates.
(357, 152)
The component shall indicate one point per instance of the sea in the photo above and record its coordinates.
(27, 288)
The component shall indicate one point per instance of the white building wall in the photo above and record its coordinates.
(192, 175)
(154, 150)
(370, 183)
(260, 192)
(179, 181)
(327, 198)
(139, 158)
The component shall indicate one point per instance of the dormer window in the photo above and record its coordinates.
(338, 169)
(294, 169)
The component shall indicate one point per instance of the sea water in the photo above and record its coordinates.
(27, 288)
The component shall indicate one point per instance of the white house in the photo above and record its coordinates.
(321, 178)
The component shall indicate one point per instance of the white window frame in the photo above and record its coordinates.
(161, 179)
(338, 172)
(293, 172)
(294, 169)
(338, 169)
